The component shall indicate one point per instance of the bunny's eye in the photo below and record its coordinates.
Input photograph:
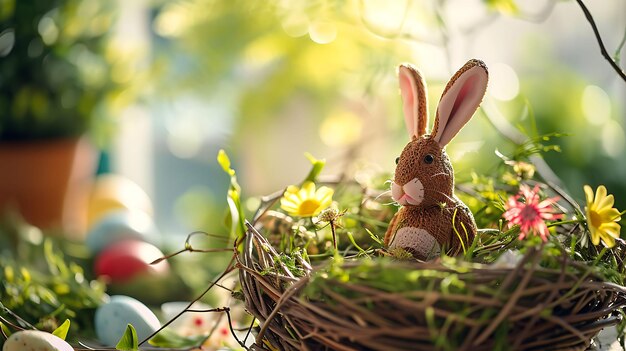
(428, 159)
(397, 160)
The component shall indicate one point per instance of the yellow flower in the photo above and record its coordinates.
(306, 201)
(601, 216)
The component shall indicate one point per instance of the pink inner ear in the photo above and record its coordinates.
(409, 101)
(458, 105)
(463, 94)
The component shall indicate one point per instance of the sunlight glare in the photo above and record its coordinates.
(613, 139)
(385, 16)
(596, 105)
(323, 32)
(296, 25)
(48, 30)
(172, 22)
(341, 128)
(503, 82)
(184, 139)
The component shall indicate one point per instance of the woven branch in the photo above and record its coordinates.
(526, 307)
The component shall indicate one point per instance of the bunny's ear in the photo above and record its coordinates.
(460, 100)
(413, 90)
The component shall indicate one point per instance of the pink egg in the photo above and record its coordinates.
(127, 259)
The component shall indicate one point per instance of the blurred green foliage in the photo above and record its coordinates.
(271, 52)
(593, 151)
(41, 284)
(60, 76)
(327, 62)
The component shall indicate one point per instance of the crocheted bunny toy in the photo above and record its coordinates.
(432, 219)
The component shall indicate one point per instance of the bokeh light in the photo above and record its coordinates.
(503, 82)
(323, 31)
(341, 128)
(613, 140)
(596, 105)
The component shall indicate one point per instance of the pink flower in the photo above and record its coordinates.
(530, 214)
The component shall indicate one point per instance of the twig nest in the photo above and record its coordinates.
(382, 304)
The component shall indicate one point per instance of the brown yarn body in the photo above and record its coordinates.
(440, 213)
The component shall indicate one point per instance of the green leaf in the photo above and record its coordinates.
(167, 338)
(62, 330)
(9, 274)
(238, 228)
(316, 169)
(5, 330)
(237, 216)
(128, 342)
(224, 161)
(374, 237)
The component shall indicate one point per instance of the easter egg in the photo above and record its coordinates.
(28, 340)
(121, 225)
(125, 259)
(112, 318)
(112, 192)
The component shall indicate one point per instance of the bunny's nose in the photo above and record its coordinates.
(411, 193)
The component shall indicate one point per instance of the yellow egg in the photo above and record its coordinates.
(113, 192)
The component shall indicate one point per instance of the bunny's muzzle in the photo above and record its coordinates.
(411, 193)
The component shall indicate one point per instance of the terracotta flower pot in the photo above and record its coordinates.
(47, 182)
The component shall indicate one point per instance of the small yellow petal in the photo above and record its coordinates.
(608, 240)
(609, 215)
(309, 190)
(287, 206)
(327, 202)
(291, 190)
(612, 228)
(325, 192)
(588, 194)
(595, 235)
(607, 201)
(600, 195)
(293, 198)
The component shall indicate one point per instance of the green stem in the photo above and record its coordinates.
(332, 229)
(604, 249)
(323, 255)
(572, 221)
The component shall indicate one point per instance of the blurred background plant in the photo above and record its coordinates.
(42, 281)
(61, 75)
(270, 81)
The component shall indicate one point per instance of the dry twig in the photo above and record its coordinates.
(596, 32)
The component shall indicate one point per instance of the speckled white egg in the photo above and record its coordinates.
(113, 317)
(34, 340)
(121, 225)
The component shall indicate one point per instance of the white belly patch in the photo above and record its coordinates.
(418, 241)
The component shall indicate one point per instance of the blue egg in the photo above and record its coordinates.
(113, 317)
(121, 225)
